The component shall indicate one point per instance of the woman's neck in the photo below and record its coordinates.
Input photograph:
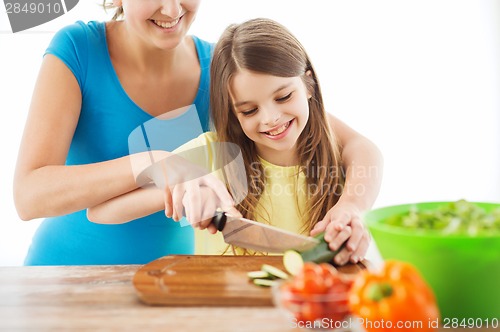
(140, 56)
(158, 81)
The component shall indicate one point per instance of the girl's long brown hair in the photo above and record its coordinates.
(265, 46)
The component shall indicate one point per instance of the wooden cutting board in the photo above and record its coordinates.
(182, 280)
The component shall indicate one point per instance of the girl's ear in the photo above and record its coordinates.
(117, 3)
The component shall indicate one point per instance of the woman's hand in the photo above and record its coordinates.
(343, 223)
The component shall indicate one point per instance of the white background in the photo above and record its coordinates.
(419, 78)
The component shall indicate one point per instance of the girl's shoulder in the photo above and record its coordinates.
(201, 141)
(210, 136)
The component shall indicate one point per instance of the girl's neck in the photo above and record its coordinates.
(280, 158)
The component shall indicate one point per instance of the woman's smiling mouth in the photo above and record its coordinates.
(165, 24)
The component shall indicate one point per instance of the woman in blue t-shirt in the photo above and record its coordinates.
(110, 96)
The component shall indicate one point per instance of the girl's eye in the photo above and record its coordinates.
(285, 98)
(249, 112)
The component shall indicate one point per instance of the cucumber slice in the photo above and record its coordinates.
(293, 262)
(274, 271)
(264, 282)
(259, 275)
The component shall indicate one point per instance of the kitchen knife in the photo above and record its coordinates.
(254, 235)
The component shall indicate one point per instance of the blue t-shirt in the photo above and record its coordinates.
(111, 125)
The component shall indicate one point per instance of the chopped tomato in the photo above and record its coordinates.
(318, 291)
(312, 310)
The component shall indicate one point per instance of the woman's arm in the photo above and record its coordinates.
(132, 205)
(180, 186)
(199, 199)
(43, 185)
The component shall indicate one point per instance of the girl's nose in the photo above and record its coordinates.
(271, 117)
(171, 8)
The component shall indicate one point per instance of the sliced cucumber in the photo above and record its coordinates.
(274, 271)
(264, 282)
(321, 253)
(293, 262)
(259, 275)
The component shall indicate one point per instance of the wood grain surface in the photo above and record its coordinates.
(102, 298)
(208, 280)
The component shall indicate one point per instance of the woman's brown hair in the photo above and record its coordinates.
(264, 46)
(118, 12)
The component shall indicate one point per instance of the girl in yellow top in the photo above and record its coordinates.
(266, 98)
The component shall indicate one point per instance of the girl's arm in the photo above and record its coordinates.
(363, 164)
(43, 185)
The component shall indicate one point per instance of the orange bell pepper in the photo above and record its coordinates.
(396, 298)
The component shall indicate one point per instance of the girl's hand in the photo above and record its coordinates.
(199, 199)
(189, 190)
(343, 223)
(202, 206)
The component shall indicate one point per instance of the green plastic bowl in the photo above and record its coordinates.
(463, 271)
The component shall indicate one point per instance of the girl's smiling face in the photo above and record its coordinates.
(272, 112)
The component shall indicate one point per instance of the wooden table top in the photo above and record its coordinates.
(43, 298)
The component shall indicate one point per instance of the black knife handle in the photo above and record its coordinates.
(219, 220)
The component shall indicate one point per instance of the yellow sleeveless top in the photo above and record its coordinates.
(282, 203)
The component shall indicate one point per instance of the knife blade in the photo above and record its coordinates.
(254, 235)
